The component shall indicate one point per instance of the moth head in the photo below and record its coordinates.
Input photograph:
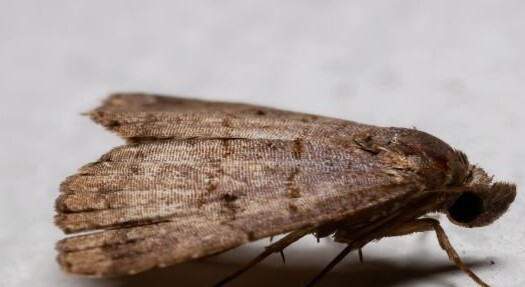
(480, 201)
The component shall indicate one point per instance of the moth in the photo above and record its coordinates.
(197, 178)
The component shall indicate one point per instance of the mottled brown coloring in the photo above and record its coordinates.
(196, 178)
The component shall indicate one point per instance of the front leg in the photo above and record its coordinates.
(428, 224)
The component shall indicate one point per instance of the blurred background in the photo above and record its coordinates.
(455, 69)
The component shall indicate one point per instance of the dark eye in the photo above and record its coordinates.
(467, 207)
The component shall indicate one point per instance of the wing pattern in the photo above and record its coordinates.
(183, 189)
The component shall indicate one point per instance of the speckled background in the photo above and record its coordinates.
(455, 69)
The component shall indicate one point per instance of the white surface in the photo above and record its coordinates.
(455, 69)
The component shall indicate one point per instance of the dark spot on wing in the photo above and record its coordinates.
(229, 197)
(134, 169)
(260, 112)
(216, 164)
(113, 124)
(291, 185)
(294, 192)
(140, 155)
(213, 183)
(297, 148)
(229, 206)
(309, 119)
(226, 122)
(293, 208)
(226, 148)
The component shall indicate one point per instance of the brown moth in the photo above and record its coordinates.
(197, 178)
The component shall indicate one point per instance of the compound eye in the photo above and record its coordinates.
(467, 208)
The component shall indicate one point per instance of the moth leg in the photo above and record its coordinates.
(331, 265)
(272, 248)
(360, 252)
(428, 224)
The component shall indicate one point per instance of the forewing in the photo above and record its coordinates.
(140, 117)
(169, 201)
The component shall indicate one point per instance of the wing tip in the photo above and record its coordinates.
(111, 114)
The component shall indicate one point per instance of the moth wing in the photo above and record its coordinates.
(170, 201)
(140, 117)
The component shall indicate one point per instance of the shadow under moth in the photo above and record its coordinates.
(197, 178)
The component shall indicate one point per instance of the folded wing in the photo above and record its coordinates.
(166, 201)
(140, 117)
